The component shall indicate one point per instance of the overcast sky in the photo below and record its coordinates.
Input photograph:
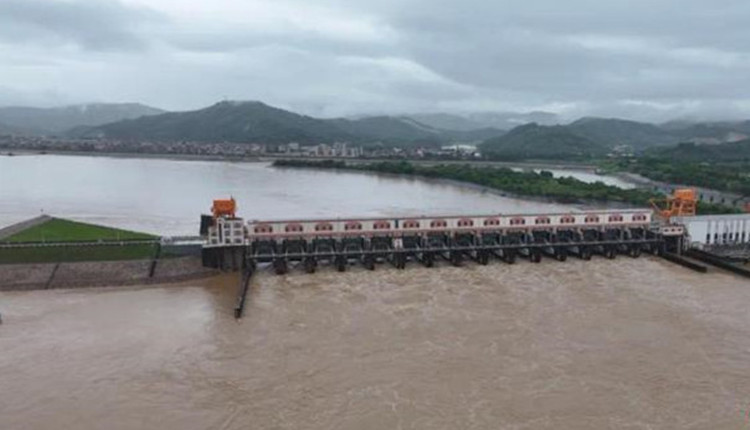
(644, 59)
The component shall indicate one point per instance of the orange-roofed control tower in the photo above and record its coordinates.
(224, 208)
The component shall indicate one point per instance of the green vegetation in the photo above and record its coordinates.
(705, 208)
(533, 141)
(543, 184)
(567, 190)
(612, 132)
(64, 231)
(723, 167)
(57, 254)
(256, 122)
(729, 152)
(723, 177)
(61, 230)
(590, 138)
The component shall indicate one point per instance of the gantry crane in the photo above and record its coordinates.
(682, 203)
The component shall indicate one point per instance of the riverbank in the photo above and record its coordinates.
(47, 239)
(269, 158)
(24, 277)
(525, 183)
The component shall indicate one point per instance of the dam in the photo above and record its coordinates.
(233, 244)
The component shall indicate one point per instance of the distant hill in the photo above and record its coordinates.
(598, 136)
(510, 120)
(473, 136)
(6, 130)
(484, 120)
(225, 121)
(611, 132)
(55, 121)
(406, 129)
(697, 153)
(710, 132)
(256, 122)
(446, 121)
(542, 142)
(388, 129)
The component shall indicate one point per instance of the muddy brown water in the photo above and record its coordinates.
(631, 344)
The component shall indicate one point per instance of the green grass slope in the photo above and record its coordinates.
(61, 230)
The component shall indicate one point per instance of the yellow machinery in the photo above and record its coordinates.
(682, 203)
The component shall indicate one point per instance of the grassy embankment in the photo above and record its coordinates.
(112, 243)
(542, 184)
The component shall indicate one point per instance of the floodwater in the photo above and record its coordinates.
(167, 196)
(624, 344)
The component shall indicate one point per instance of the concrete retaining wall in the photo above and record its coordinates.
(102, 273)
(25, 276)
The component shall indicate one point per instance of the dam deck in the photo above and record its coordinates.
(232, 244)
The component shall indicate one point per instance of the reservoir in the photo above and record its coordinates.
(163, 196)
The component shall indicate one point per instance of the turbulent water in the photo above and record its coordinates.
(634, 344)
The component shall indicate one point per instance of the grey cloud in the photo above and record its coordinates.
(528, 49)
(100, 25)
(638, 58)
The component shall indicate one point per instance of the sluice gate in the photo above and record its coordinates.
(230, 243)
(233, 244)
(456, 254)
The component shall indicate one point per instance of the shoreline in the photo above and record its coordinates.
(579, 205)
(588, 168)
(86, 274)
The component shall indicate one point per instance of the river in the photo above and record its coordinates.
(625, 344)
(166, 197)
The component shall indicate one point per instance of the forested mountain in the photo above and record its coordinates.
(710, 132)
(537, 141)
(388, 129)
(510, 120)
(395, 130)
(699, 153)
(256, 122)
(8, 130)
(446, 121)
(52, 121)
(598, 136)
(225, 121)
(612, 132)
(484, 120)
